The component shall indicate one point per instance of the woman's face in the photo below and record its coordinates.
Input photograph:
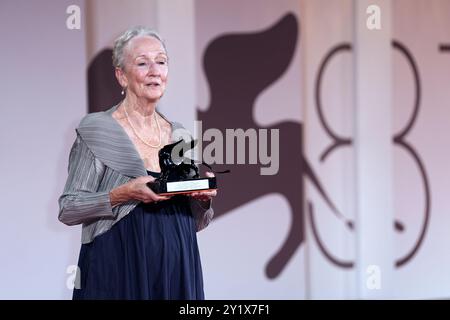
(145, 68)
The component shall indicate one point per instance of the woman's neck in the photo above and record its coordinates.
(139, 108)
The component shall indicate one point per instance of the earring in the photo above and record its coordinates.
(123, 91)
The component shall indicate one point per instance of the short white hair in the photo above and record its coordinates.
(121, 42)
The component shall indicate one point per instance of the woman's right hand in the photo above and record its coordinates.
(135, 189)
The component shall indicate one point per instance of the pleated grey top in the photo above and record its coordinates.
(103, 157)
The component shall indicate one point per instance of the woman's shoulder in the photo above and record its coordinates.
(174, 126)
(99, 119)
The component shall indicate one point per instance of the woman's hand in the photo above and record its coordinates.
(204, 195)
(135, 189)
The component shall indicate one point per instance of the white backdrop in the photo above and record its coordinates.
(44, 97)
(426, 275)
(236, 248)
(43, 86)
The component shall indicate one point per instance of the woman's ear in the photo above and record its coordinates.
(121, 78)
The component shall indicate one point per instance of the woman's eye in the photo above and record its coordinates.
(162, 62)
(142, 64)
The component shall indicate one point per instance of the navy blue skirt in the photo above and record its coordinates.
(151, 253)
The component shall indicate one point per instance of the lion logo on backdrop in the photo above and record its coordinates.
(250, 63)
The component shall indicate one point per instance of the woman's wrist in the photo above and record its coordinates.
(118, 196)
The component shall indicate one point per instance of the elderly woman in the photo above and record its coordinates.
(135, 244)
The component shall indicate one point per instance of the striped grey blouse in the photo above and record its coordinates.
(102, 158)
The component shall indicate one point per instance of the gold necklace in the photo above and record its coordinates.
(139, 137)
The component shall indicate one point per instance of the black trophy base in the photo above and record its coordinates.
(183, 186)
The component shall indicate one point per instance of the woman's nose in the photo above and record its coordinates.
(153, 68)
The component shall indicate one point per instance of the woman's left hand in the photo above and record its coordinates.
(204, 195)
